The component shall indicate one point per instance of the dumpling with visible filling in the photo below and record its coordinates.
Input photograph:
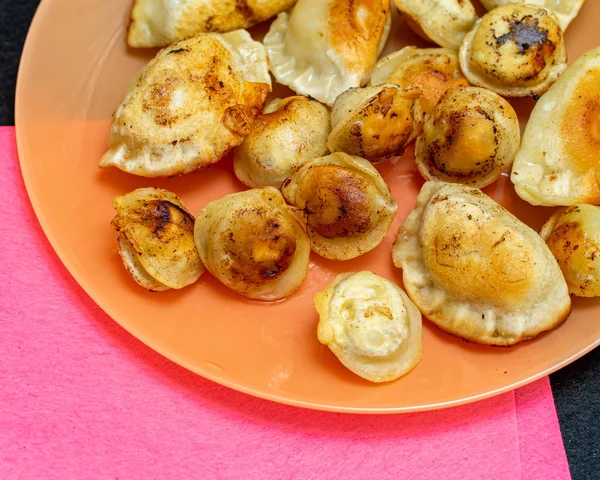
(444, 22)
(374, 123)
(371, 326)
(558, 162)
(289, 132)
(323, 47)
(475, 270)
(193, 103)
(348, 206)
(156, 239)
(431, 70)
(158, 23)
(565, 10)
(515, 50)
(254, 243)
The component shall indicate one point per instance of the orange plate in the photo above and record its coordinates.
(75, 69)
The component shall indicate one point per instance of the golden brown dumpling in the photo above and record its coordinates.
(515, 51)
(254, 243)
(444, 22)
(374, 123)
(195, 101)
(432, 70)
(371, 325)
(158, 23)
(558, 162)
(475, 270)
(471, 137)
(156, 239)
(565, 10)
(348, 206)
(573, 235)
(323, 47)
(289, 132)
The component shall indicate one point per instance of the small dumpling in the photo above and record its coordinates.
(158, 23)
(475, 270)
(444, 22)
(374, 123)
(515, 50)
(432, 70)
(323, 47)
(348, 206)
(371, 325)
(254, 243)
(558, 162)
(289, 132)
(156, 239)
(471, 137)
(565, 10)
(573, 235)
(193, 103)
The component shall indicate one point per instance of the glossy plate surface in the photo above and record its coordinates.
(75, 69)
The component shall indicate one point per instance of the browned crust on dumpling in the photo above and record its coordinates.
(199, 16)
(356, 28)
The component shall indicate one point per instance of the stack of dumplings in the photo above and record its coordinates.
(310, 162)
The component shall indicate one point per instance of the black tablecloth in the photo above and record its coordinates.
(576, 388)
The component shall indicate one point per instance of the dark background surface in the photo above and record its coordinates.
(576, 388)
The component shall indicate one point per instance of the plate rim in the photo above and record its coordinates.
(150, 343)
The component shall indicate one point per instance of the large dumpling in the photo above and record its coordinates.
(444, 22)
(371, 325)
(565, 10)
(471, 137)
(431, 70)
(475, 270)
(290, 132)
(559, 160)
(156, 239)
(158, 23)
(515, 50)
(374, 122)
(348, 206)
(323, 47)
(254, 243)
(573, 235)
(193, 103)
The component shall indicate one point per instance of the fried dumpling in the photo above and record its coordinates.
(289, 132)
(156, 239)
(323, 47)
(565, 10)
(193, 103)
(444, 22)
(254, 243)
(475, 270)
(432, 70)
(558, 162)
(371, 325)
(573, 235)
(471, 137)
(515, 50)
(158, 23)
(374, 123)
(348, 206)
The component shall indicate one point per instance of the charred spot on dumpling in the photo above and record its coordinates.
(337, 202)
(514, 50)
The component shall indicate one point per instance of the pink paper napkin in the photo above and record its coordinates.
(81, 398)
